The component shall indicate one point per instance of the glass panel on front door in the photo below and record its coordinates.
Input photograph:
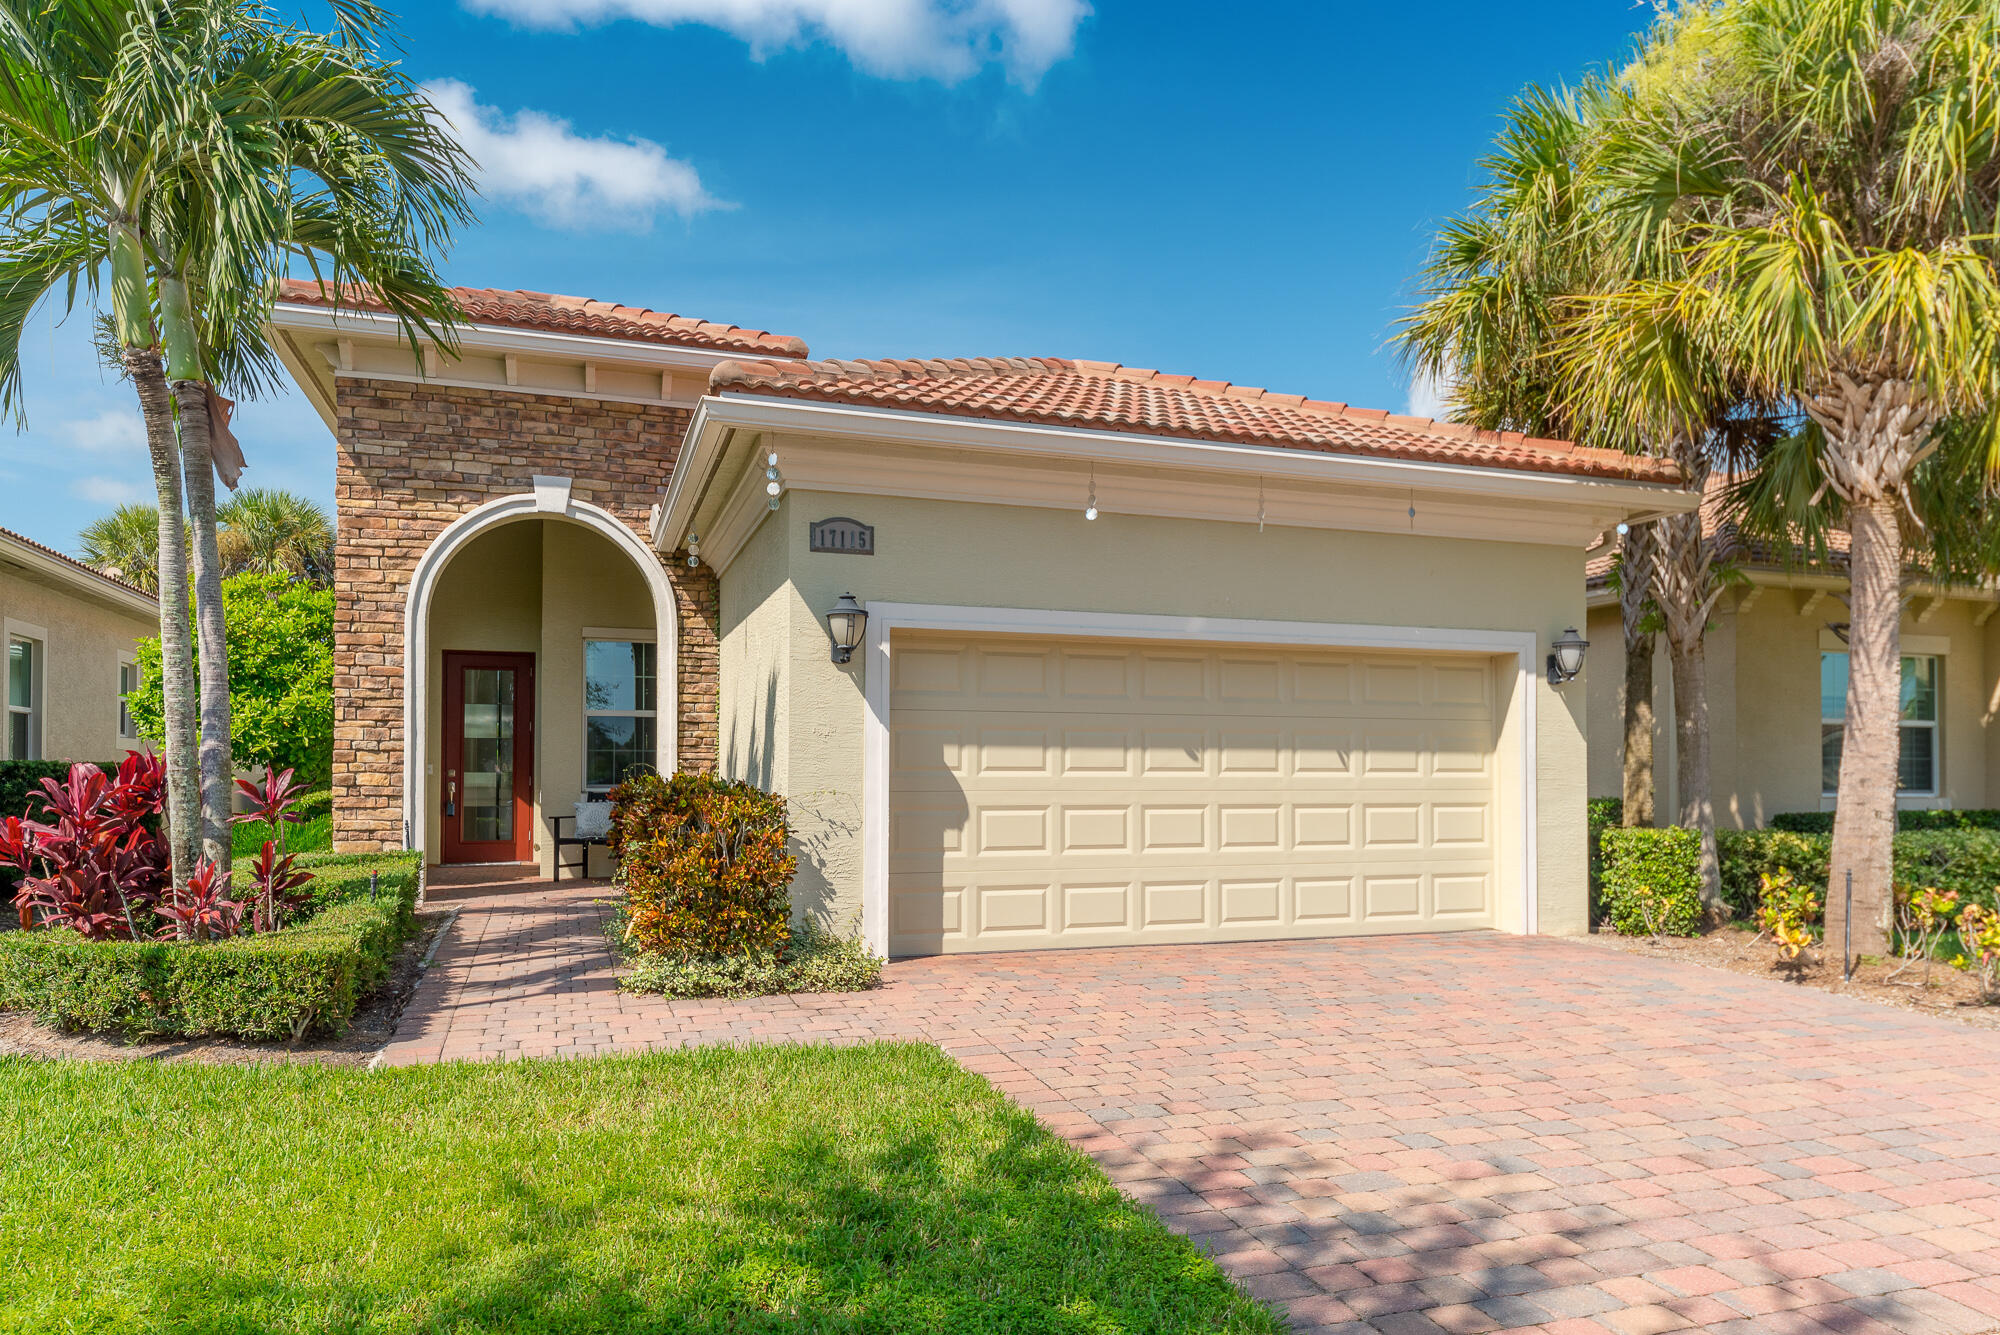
(487, 814)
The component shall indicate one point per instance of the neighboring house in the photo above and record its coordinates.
(1146, 658)
(1777, 687)
(71, 636)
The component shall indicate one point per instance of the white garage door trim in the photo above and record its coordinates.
(884, 619)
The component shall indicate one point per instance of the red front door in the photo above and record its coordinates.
(487, 790)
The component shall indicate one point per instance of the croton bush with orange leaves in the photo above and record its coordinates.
(706, 865)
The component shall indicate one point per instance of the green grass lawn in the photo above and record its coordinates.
(761, 1189)
(314, 835)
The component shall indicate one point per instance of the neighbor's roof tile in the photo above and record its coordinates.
(1104, 396)
(572, 315)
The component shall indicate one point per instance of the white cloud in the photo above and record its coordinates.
(537, 163)
(113, 431)
(106, 490)
(898, 39)
(1430, 396)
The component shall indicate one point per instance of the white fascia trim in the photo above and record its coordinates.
(87, 582)
(1645, 499)
(507, 338)
(886, 618)
(416, 633)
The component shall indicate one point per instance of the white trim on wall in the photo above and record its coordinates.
(885, 618)
(416, 630)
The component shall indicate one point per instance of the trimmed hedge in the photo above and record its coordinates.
(304, 980)
(1967, 861)
(1821, 822)
(1652, 881)
(705, 864)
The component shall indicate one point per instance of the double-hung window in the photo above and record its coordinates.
(1917, 753)
(24, 698)
(620, 711)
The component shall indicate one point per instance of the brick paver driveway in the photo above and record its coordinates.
(1413, 1134)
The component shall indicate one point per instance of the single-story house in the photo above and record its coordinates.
(71, 637)
(1777, 686)
(1145, 658)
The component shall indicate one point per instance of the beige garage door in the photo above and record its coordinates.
(1086, 793)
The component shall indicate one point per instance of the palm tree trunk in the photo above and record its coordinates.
(1686, 590)
(1864, 818)
(1877, 431)
(191, 397)
(1635, 587)
(176, 656)
(1689, 663)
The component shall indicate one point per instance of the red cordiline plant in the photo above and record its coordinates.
(92, 865)
(200, 911)
(276, 880)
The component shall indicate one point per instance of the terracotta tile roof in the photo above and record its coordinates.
(573, 315)
(1103, 396)
(9, 535)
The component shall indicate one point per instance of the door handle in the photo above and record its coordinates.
(451, 798)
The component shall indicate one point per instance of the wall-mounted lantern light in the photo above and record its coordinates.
(845, 625)
(1566, 657)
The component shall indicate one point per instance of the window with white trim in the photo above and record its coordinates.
(620, 711)
(1917, 750)
(25, 663)
(128, 686)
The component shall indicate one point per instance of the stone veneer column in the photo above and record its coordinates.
(411, 459)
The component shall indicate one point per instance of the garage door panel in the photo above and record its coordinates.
(1100, 793)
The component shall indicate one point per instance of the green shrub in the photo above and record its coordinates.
(815, 960)
(705, 863)
(1605, 813)
(315, 805)
(1821, 822)
(306, 979)
(1652, 881)
(1747, 856)
(1966, 861)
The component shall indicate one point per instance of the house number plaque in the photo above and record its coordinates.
(849, 537)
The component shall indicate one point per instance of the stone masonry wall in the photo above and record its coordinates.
(413, 458)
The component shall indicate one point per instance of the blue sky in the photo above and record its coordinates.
(1239, 192)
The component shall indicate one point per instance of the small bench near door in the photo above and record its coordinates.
(591, 828)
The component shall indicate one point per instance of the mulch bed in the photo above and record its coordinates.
(1949, 992)
(373, 1025)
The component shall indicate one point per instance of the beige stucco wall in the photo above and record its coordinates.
(1763, 691)
(757, 615)
(534, 586)
(965, 554)
(82, 641)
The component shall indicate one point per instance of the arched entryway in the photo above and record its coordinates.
(540, 639)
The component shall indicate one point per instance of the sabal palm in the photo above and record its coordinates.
(275, 532)
(125, 544)
(1502, 306)
(1829, 172)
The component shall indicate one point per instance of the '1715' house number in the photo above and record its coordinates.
(848, 537)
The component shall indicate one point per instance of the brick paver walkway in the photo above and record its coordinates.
(1464, 1133)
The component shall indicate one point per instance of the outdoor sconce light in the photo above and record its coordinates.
(846, 624)
(1566, 657)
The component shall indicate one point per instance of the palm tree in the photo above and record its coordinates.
(125, 545)
(198, 147)
(1498, 297)
(276, 532)
(313, 148)
(1829, 174)
(77, 182)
